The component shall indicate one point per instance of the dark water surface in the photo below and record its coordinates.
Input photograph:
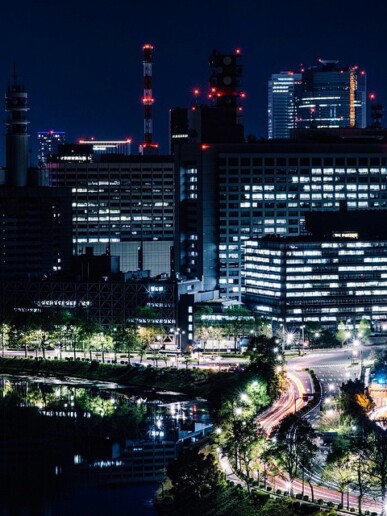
(50, 431)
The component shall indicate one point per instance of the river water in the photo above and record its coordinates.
(52, 431)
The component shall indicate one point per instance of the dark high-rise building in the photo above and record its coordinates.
(48, 142)
(220, 121)
(35, 221)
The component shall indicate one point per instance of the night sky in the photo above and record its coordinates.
(81, 62)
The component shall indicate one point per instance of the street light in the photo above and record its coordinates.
(357, 344)
(288, 485)
(302, 333)
(244, 397)
(178, 333)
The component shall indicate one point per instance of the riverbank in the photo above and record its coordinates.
(193, 382)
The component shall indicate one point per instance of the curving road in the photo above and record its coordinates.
(332, 368)
(289, 401)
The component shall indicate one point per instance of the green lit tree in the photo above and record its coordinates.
(340, 473)
(150, 331)
(126, 339)
(364, 329)
(203, 321)
(295, 442)
(102, 342)
(342, 334)
(237, 322)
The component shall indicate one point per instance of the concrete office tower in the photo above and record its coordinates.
(123, 204)
(281, 104)
(331, 96)
(335, 273)
(231, 193)
(48, 142)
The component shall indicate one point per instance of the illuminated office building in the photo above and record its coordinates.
(121, 204)
(281, 104)
(48, 142)
(109, 146)
(331, 96)
(230, 194)
(322, 96)
(323, 278)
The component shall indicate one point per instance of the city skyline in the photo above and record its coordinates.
(84, 75)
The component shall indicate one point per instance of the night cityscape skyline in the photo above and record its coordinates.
(101, 96)
(193, 258)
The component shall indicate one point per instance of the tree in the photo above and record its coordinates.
(374, 452)
(88, 329)
(42, 327)
(342, 334)
(364, 329)
(5, 332)
(294, 446)
(354, 401)
(103, 342)
(126, 337)
(239, 438)
(202, 324)
(194, 475)
(339, 472)
(187, 356)
(359, 476)
(238, 321)
(149, 330)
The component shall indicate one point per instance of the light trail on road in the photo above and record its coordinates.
(289, 402)
(269, 421)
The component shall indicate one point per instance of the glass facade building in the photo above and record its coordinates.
(323, 96)
(281, 104)
(331, 96)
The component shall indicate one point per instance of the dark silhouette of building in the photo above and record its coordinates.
(35, 220)
(219, 121)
